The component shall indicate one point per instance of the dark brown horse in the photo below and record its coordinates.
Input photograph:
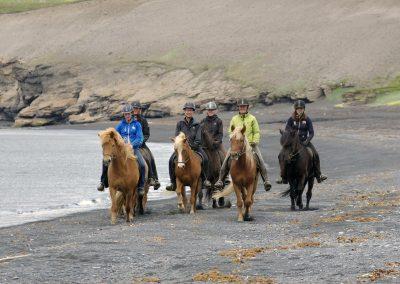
(297, 161)
(187, 172)
(215, 157)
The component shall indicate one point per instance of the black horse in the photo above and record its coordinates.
(296, 161)
(215, 157)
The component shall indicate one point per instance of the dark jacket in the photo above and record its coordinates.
(213, 125)
(192, 130)
(303, 125)
(145, 128)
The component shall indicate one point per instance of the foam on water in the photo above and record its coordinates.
(50, 173)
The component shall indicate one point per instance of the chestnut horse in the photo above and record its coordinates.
(244, 173)
(187, 172)
(123, 175)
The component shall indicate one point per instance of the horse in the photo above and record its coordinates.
(215, 158)
(297, 161)
(187, 172)
(123, 176)
(244, 173)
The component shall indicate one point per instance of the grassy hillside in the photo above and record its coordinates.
(15, 6)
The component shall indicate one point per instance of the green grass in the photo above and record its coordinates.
(336, 96)
(16, 6)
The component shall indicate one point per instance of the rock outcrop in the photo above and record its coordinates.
(43, 95)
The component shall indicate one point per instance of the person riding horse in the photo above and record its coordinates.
(131, 131)
(302, 123)
(212, 124)
(192, 130)
(137, 114)
(244, 118)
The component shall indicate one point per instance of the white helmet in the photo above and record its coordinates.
(211, 106)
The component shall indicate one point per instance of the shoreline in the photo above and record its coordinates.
(351, 232)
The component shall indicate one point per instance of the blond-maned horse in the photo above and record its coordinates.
(123, 175)
(244, 173)
(187, 172)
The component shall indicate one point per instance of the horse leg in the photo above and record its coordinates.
(179, 189)
(128, 207)
(300, 188)
(195, 188)
(309, 192)
(239, 202)
(248, 202)
(200, 196)
(292, 196)
(114, 207)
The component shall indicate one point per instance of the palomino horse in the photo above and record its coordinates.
(297, 161)
(215, 157)
(244, 173)
(123, 175)
(187, 172)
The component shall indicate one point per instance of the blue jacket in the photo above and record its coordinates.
(131, 132)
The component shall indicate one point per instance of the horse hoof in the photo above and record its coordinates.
(228, 204)
(191, 212)
(221, 202)
(248, 218)
(214, 205)
(293, 208)
(199, 207)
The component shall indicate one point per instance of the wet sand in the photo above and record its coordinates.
(352, 233)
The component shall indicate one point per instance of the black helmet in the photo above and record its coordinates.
(136, 104)
(189, 105)
(127, 108)
(299, 104)
(242, 102)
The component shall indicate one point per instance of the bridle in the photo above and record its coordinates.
(237, 155)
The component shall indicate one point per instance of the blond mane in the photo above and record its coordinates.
(180, 138)
(237, 134)
(112, 134)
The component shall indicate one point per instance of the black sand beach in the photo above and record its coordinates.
(351, 235)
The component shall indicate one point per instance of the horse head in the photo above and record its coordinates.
(239, 143)
(111, 141)
(181, 147)
(290, 146)
(288, 137)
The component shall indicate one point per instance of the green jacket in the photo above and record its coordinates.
(252, 129)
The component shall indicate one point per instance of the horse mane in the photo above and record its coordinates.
(112, 134)
(181, 136)
(237, 133)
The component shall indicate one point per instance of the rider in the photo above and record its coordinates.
(137, 109)
(213, 125)
(302, 123)
(192, 130)
(131, 131)
(253, 136)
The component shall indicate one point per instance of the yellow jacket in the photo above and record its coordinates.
(252, 129)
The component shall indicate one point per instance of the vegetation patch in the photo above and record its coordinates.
(216, 276)
(378, 274)
(13, 6)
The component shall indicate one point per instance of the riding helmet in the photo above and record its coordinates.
(127, 108)
(136, 104)
(299, 104)
(211, 106)
(190, 106)
(242, 102)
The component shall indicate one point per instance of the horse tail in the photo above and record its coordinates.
(286, 192)
(225, 192)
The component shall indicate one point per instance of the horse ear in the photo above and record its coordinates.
(232, 128)
(281, 131)
(172, 139)
(243, 129)
(184, 140)
(112, 134)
